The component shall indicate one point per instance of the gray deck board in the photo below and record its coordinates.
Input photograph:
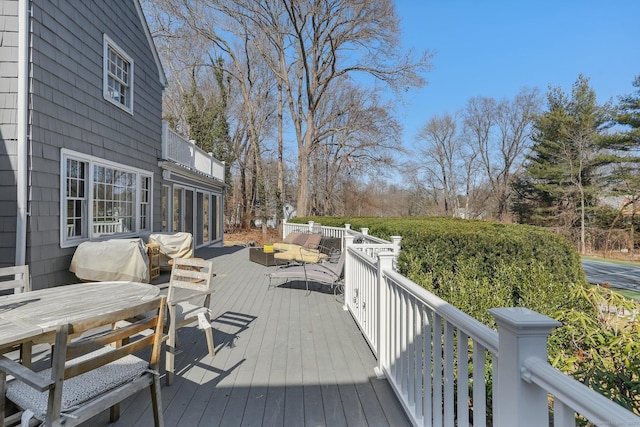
(283, 358)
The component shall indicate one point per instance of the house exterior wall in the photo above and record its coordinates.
(8, 128)
(67, 110)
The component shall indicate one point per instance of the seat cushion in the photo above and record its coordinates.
(281, 246)
(291, 237)
(300, 239)
(303, 255)
(80, 389)
(286, 255)
(313, 240)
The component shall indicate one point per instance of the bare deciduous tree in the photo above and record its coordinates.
(441, 155)
(500, 131)
(310, 49)
(359, 139)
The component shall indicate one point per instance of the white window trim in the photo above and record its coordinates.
(66, 242)
(107, 42)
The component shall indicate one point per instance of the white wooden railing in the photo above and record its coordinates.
(340, 232)
(180, 150)
(436, 357)
(108, 227)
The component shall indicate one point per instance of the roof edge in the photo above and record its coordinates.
(143, 19)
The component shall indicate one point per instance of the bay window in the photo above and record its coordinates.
(102, 198)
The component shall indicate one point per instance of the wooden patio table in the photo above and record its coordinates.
(32, 317)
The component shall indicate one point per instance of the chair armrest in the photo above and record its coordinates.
(25, 374)
(332, 253)
(192, 295)
(322, 267)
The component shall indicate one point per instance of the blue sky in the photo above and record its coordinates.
(494, 48)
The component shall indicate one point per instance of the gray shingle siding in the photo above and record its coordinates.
(68, 111)
(8, 129)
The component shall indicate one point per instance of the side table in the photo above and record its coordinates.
(267, 259)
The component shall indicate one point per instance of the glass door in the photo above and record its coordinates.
(188, 211)
(199, 231)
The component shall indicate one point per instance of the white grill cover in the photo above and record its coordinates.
(173, 245)
(111, 260)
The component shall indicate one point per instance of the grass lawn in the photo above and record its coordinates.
(633, 295)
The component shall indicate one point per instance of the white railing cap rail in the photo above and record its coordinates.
(580, 398)
(367, 237)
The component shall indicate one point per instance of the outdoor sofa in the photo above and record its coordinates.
(300, 247)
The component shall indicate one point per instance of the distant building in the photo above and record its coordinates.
(625, 203)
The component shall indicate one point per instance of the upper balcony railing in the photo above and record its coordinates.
(436, 357)
(180, 150)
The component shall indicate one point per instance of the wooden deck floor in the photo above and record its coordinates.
(282, 359)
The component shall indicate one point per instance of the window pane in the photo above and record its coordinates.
(177, 209)
(165, 208)
(188, 211)
(113, 201)
(118, 79)
(205, 218)
(145, 208)
(75, 202)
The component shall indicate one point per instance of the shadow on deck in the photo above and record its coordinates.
(282, 359)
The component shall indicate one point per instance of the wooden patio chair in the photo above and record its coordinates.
(94, 372)
(16, 279)
(188, 300)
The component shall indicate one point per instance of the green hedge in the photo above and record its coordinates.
(477, 265)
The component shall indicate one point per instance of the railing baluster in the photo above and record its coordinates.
(427, 316)
(393, 330)
(563, 416)
(411, 351)
(402, 356)
(449, 399)
(463, 378)
(418, 360)
(437, 370)
(479, 396)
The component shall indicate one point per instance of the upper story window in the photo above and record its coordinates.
(118, 76)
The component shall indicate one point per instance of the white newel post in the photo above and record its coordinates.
(364, 231)
(311, 226)
(348, 286)
(522, 333)
(385, 262)
(395, 241)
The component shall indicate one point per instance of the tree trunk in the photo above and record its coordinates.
(303, 182)
(281, 196)
(304, 151)
(583, 244)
